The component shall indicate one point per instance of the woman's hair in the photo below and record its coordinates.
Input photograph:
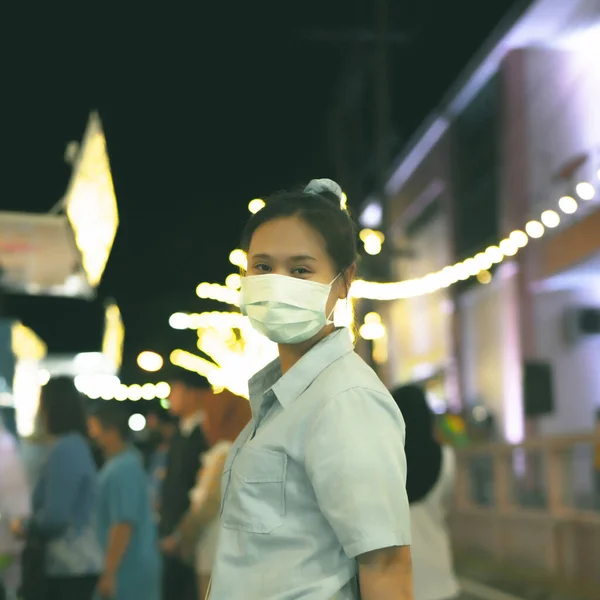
(62, 407)
(226, 416)
(319, 206)
(423, 452)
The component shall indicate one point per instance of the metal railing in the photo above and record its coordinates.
(536, 505)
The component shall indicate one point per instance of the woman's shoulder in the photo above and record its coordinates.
(74, 446)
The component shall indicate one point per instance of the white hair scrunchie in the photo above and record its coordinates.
(318, 186)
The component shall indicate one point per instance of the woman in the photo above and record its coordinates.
(198, 533)
(429, 486)
(14, 502)
(314, 499)
(64, 499)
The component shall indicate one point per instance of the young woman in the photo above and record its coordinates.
(314, 500)
(64, 499)
(430, 480)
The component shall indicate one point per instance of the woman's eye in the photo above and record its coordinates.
(262, 267)
(300, 271)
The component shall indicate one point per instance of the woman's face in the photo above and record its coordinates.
(289, 246)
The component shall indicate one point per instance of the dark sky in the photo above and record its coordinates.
(202, 111)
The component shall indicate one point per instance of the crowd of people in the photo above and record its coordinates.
(323, 486)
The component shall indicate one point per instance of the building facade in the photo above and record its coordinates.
(502, 185)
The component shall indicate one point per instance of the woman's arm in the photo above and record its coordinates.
(356, 463)
(386, 574)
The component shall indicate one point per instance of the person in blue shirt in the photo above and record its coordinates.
(63, 504)
(314, 503)
(126, 527)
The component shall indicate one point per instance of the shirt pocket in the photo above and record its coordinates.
(255, 491)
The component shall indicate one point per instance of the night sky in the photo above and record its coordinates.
(203, 110)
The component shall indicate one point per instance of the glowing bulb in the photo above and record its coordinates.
(534, 229)
(43, 377)
(518, 238)
(568, 205)
(238, 258)
(585, 190)
(508, 247)
(462, 272)
(148, 391)
(256, 205)
(233, 281)
(471, 266)
(163, 389)
(137, 422)
(150, 361)
(483, 261)
(134, 392)
(372, 317)
(494, 254)
(121, 393)
(484, 277)
(372, 246)
(179, 321)
(550, 218)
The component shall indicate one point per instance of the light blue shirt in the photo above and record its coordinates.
(317, 478)
(125, 498)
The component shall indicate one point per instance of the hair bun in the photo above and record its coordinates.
(325, 186)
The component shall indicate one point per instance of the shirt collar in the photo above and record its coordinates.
(290, 386)
(188, 424)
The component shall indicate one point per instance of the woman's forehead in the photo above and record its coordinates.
(287, 237)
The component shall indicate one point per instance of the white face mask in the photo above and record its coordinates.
(285, 309)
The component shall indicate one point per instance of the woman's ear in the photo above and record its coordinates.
(346, 281)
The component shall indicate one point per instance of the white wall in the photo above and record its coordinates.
(562, 90)
(419, 328)
(576, 366)
(491, 364)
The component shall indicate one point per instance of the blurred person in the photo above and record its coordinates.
(14, 503)
(149, 439)
(314, 497)
(62, 557)
(188, 392)
(429, 485)
(597, 461)
(126, 527)
(157, 467)
(196, 536)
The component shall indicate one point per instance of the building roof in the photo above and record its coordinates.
(543, 23)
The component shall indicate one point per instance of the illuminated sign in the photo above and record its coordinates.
(90, 202)
(114, 335)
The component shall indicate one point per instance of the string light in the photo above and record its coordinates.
(233, 281)
(256, 205)
(238, 258)
(110, 388)
(372, 241)
(550, 218)
(568, 205)
(585, 190)
(431, 282)
(534, 229)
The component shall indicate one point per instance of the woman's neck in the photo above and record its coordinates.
(290, 354)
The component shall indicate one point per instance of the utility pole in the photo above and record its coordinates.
(382, 122)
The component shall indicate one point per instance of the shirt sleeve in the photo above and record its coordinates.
(125, 495)
(356, 462)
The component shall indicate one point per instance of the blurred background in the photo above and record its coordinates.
(466, 137)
